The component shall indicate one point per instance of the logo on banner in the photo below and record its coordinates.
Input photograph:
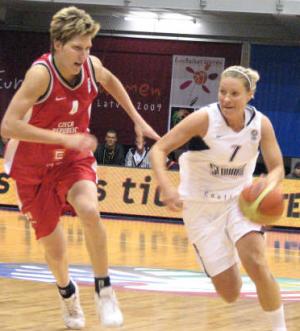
(200, 77)
(195, 83)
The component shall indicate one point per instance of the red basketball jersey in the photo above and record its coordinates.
(63, 108)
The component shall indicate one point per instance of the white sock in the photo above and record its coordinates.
(276, 317)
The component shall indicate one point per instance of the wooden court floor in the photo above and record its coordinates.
(158, 282)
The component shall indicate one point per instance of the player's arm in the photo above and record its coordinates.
(271, 152)
(113, 86)
(193, 125)
(13, 124)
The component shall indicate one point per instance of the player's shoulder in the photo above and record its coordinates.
(95, 61)
(212, 109)
(260, 120)
(37, 75)
(258, 114)
(196, 122)
(253, 110)
(40, 68)
(205, 110)
(37, 80)
(211, 112)
(97, 67)
(266, 123)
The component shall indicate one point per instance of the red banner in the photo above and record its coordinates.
(146, 78)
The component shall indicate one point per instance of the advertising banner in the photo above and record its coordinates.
(129, 191)
(194, 84)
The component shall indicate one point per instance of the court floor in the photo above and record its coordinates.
(154, 270)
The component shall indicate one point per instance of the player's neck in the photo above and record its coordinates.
(64, 73)
(236, 124)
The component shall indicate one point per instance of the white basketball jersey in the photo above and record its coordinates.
(225, 160)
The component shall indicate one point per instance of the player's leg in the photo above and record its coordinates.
(83, 197)
(206, 228)
(55, 248)
(250, 245)
(228, 284)
(251, 249)
(42, 208)
(56, 257)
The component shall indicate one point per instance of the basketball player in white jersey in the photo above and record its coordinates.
(50, 155)
(225, 138)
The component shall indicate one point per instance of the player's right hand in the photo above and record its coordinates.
(80, 141)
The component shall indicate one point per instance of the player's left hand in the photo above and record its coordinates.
(145, 130)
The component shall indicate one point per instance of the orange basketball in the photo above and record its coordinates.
(261, 203)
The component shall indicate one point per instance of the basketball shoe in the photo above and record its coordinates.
(71, 311)
(107, 307)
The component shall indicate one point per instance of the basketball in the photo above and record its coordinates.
(262, 203)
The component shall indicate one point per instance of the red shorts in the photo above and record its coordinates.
(44, 202)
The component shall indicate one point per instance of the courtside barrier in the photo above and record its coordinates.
(129, 191)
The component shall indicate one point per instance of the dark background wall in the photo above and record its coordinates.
(143, 65)
(278, 94)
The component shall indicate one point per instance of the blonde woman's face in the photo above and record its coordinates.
(74, 53)
(233, 96)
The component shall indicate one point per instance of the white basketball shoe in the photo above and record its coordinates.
(107, 308)
(72, 312)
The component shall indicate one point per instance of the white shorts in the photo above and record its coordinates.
(214, 228)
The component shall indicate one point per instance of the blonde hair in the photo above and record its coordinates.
(70, 22)
(248, 75)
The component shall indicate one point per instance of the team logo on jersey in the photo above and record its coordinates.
(89, 85)
(224, 171)
(254, 134)
(59, 154)
(75, 105)
(60, 98)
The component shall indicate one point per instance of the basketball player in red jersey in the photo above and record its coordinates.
(49, 154)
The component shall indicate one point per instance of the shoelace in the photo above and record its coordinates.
(72, 306)
(111, 300)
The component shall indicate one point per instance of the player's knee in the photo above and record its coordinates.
(56, 254)
(89, 214)
(231, 292)
(230, 296)
(256, 266)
